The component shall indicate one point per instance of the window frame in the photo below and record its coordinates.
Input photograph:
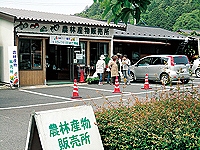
(32, 51)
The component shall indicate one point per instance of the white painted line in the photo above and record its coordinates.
(47, 95)
(96, 89)
(75, 100)
(64, 98)
(36, 105)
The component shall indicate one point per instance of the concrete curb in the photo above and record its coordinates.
(7, 87)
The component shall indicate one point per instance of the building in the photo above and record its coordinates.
(139, 41)
(36, 47)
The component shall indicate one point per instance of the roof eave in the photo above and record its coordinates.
(112, 26)
(7, 17)
(150, 37)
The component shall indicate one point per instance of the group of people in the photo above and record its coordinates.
(113, 66)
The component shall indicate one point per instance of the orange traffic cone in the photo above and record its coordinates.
(146, 84)
(117, 89)
(82, 80)
(75, 94)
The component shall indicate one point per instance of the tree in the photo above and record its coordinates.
(171, 9)
(92, 12)
(160, 13)
(189, 21)
(158, 18)
(123, 10)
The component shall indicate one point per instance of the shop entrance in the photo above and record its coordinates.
(59, 62)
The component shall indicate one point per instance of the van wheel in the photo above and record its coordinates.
(132, 77)
(164, 78)
(185, 81)
(197, 72)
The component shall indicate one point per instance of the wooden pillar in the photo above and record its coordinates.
(88, 53)
(110, 50)
(44, 59)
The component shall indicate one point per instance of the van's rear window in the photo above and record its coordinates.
(181, 60)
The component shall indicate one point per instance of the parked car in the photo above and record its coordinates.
(196, 67)
(164, 68)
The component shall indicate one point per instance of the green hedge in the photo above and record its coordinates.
(170, 122)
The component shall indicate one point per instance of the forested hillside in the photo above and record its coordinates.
(167, 14)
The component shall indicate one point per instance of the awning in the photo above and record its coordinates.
(140, 42)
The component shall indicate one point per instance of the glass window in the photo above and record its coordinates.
(164, 60)
(144, 62)
(30, 54)
(96, 50)
(181, 60)
(80, 52)
(156, 61)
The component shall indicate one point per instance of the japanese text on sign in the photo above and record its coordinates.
(72, 128)
(63, 40)
(13, 66)
(75, 139)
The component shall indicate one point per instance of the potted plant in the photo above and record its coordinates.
(92, 80)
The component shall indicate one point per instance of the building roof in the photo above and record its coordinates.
(21, 14)
(147, 32)
(194, 33)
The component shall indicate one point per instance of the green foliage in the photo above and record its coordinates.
(94, 12)
(172, 10)
(169, 122)
(190, 21)
(157, 16)
(123, 10)
(91, 80)
(167, 14)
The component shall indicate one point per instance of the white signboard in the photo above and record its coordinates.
(71, 128)
(79, 56)
(13, 66)
(66, 29)
(64, 40)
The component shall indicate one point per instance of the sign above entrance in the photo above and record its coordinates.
(58, 29)
(64, 40)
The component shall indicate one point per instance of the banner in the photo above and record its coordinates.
(64, 40)
(13, 66)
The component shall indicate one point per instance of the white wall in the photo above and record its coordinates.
(6, 39)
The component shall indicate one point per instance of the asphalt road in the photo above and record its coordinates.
(17, 105)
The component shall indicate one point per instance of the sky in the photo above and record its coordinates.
(55, 6)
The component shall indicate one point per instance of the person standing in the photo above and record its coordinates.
(119, 63)
(107, 61)
(100, 67)
(113, 69)
(125, 67)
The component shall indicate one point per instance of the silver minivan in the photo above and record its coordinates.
(164, 68)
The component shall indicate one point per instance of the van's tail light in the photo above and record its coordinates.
(171, 60)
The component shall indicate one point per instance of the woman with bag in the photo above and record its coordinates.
(113, 69)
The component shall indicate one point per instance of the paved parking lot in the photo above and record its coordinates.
(17, 105)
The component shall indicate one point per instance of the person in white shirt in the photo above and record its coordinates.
(125, 67)
(100, 68)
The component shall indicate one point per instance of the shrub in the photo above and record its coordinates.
(169, 121)
(93, 80)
